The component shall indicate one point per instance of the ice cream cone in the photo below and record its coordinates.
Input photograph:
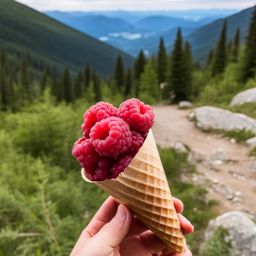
(143, 187)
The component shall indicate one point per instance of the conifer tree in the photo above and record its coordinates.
(45, 79)
(178, 82)
(25, 82)
(97, 87)
(119, 75)
(236, 46)
(210, 58)
(68, 90)
(3, 82)
(149, 86)
(128, 83)
(249, 61)
(188, 65)
(139, 65)
(161, 62)
(220, 58)
(79, 92)
(87, 77)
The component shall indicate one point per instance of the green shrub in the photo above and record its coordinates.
(217, 245)
(239, 136)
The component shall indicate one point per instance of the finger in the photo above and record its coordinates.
(186, 225)
(116, 230)
(152, 243)
(103, 216)
(178, 204)
(137, 227)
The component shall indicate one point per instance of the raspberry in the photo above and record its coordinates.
(121, 164)
(111, 136)
(95, 114)
(139, 116)
(102, 172)
(85, 153)
(137, 141)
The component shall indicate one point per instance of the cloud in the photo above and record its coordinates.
(80, 5)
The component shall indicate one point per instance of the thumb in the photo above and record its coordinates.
(113, 233)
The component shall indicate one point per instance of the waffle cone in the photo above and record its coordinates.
(143, 187)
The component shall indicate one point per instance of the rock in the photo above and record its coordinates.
(241, 232)
(180, 147)
(185, 105)
(219, 156)
(191, 116)
(195, 157)
(251, 142)
(248, 96)
(211, 118)
(253, 167)
(233, 141)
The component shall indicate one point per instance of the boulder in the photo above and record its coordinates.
(248, 96)
(211, 118)
(251, 142)
(185, 105)
(179, 147)
(241, 232)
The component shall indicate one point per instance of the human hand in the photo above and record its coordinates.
(115, 231)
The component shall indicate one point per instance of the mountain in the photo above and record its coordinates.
(205, 38)
(26, 32)
(129, 31)
(102, 25)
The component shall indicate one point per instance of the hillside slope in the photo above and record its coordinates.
(205, 38)
(26, 32)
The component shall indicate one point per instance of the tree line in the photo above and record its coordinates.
(164, 76)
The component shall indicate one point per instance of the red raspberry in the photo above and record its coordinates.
(139, 116)
(137, 142)
(85, 153)
(102, 172)
(121, 164)
(111, 136)
(95, 114)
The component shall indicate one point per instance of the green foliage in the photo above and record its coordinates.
(119, 74)
(46, 42)
(220, 57)
(249, 61)
(236, 46)
(239, 136)
(253, 152)
(139, 65)
(218, 244)
(149, 87)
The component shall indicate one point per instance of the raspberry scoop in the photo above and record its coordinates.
(139, 116)
(120, 165)
(111, 136)
(137, 141)
(96, 113)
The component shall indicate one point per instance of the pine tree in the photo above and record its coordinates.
(79, 92)
(210, 58)
(188, 62)
(161, 62)
(87, 77)
(249, 61)
(68, 90)
(119, 75)
(97, 87)
(149, 87)
(128, 83)
(45, 79)
(236, 46)
(178, 82)
(25, 82)
(139, 65)
(3, 82)
(220, 58)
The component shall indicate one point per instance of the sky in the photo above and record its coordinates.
(88, 5)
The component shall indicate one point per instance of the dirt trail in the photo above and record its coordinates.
(232, 181)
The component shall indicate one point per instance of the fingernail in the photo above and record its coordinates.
(121, 212)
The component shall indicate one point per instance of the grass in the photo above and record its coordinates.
(253, 152)
(197, 208)
(248, 109)
(239, 136)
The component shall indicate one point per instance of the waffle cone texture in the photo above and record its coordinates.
(144, 188)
